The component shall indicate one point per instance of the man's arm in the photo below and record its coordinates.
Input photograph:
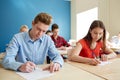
(9, 61)
(54, 55)
(66, 44)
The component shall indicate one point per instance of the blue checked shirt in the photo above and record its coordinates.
(21, 48)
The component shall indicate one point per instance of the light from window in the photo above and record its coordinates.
(84, 20)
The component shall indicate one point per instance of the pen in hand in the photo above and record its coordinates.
(97, 58)
(31, 64)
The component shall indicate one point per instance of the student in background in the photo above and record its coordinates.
(108, 43)
(59, 41)
(49, 32)
(26, 50)
(115, 40)
(92, 46)
(24, 28)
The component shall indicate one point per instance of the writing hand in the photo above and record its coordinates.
(27, 67)
(104, 57)
(94, 62)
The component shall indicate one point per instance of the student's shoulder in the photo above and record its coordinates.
(82, 41)
(60, 37)
(45, 36)
(21, 34)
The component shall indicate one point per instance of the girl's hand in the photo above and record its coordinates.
(104, 57)
(94, 62)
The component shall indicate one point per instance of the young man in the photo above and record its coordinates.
(59, 41)
(28, 49)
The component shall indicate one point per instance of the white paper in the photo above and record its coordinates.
(104, 63)
(35, 75)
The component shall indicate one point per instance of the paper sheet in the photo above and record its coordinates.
(35, 75)
(104, 63)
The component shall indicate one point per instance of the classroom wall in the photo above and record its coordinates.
(14, 13)
(78, 6)
(108, 12)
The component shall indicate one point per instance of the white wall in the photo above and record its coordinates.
(109, 13)
(78, 6)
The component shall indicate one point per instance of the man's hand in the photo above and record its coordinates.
(27, 67)
(53, 67)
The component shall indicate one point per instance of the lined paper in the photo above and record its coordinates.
(38, 73)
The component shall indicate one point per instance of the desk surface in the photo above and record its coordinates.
(109, 71)
(68, 72)
(65, 52)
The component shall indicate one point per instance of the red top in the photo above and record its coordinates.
(87, 52)
(60, 41)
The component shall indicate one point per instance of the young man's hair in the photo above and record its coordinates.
(44, 18)
(54, 26)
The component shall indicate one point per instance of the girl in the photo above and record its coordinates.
(92, 46)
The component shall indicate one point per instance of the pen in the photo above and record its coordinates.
(29, 60)
(95, 57)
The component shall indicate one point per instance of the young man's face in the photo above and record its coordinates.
(55, 32)
(39, 29)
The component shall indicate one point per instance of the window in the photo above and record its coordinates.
(84, 20)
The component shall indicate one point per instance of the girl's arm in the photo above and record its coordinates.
(74, 56)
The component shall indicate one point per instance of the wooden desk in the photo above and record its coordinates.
(68, 72)
(110, 71)
(65, 52)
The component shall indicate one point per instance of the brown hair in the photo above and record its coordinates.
(95, 24)
(55, 26)
(44, 18)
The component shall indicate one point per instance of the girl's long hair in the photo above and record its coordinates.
(95, 24)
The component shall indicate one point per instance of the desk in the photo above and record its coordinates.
(68, 72)
(110, 71)
(65, 52)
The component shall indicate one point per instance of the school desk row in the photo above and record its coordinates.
(75, 71)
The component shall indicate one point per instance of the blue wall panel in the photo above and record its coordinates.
(14, 13)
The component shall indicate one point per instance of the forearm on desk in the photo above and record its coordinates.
(11, 65)
(111, 55)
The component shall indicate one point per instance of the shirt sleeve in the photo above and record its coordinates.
(65, 42)
(9, 61)
(54, 55)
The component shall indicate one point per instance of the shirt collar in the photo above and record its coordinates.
(30, 40)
